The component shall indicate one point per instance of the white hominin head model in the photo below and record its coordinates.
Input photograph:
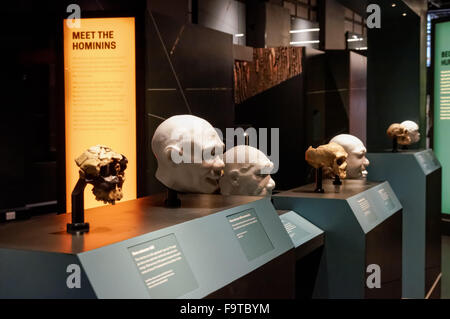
(356, 160)
(413, 131)
(246, 172)
(189, 154)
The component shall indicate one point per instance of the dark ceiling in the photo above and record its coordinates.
(358, 6)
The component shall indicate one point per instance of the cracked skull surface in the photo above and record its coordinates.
(400, 132)
(105, 170)
(332, 157)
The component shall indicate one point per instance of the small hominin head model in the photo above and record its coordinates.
(247, 172)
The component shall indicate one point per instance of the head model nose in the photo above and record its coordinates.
(271, 184)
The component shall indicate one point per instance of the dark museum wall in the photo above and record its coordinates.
(32, 119)
(335, 93)
(269, 94)
(28, 126)
(187, 54)
(189, 70)
(274, 108)
(393, 73)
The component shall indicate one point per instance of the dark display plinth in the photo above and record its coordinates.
(213, 246)
(416, 178)
(363, 226)
(308, 241)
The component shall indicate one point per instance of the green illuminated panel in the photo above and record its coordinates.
(442, 106)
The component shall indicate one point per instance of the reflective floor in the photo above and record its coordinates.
(445, 284)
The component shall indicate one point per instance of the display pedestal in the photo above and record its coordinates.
(213, 246)
(416, 177)
(308, 241)
(363, 226)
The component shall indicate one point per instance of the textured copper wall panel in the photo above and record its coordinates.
(269, 67)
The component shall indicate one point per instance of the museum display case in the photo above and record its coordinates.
(212, 246)
(308, 243)
(239, 149)
(362, 222)
(416, 177)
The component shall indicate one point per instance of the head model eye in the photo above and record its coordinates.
(262, 175)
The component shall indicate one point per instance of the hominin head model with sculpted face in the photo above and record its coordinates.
(356, 160)
(247, 172)
(189, 154)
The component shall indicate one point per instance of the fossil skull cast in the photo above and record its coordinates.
(400, 132)
(105, 170)
(247, 172)
(413, 130)
(332, 157)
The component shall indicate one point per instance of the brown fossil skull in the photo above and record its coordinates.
(332, 157)
(105, 170)
(400, 132)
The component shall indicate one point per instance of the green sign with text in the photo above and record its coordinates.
(442, 106)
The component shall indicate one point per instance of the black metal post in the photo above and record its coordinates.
(394, 145)
(78, 225)
(172, 200)
(319, 177)
(337, 180)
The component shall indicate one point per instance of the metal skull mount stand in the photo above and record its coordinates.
(105, 170)
(332, 157)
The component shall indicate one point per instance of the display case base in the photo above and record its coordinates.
(415, 177)
(212, 246)
(363, 237)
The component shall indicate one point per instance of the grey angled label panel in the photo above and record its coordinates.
(367, 209)
(373, 206)
(427, 161)
(386, 199)
(250, 233)
(163, 267)
(293, 225)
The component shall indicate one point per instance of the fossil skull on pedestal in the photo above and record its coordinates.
(400, 132)
(331, 157)
(105, 170)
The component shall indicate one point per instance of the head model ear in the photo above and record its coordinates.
(174, 154)
(234, 177)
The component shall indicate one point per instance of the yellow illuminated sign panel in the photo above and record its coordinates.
(100, 96)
